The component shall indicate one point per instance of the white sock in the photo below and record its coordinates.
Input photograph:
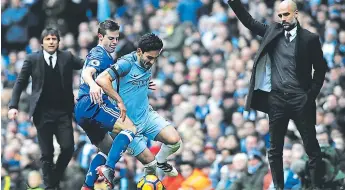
(167, 150)
(150, 168)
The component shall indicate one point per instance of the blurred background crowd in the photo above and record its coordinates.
(201, 78)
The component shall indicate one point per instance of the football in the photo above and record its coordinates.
(150, 182)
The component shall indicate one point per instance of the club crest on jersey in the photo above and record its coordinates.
(95, 62)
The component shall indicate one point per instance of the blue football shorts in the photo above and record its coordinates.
(96, 120)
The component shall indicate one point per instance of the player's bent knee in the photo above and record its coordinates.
(176, 140)
(168, 136)
(176, 146)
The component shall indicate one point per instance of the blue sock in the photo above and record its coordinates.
(119, 146)
(91, 175)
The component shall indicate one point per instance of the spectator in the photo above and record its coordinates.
(205, 9)
(188, 10)
(35, 180)
(15, 24)
(54, 12)
(75, 176)
(291, 181)
(173, 183)
(262, 127)
(198, 178)
(173, 36)
(6, 183)
(254, 176)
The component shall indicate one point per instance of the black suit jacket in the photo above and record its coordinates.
(308, 55)
(34, 66)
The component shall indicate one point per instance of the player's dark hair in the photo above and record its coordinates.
(107, 25)
(50, 31)
(150, 42)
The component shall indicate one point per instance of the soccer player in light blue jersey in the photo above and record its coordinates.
(95, 112)
(131, 75)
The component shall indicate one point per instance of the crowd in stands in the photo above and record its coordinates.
(201, 77)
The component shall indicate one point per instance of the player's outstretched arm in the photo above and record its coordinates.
(104, 80)
(95, 90)
(246, 19)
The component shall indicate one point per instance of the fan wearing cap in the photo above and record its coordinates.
(254, 176)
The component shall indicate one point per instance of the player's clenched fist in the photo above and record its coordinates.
(12, 113)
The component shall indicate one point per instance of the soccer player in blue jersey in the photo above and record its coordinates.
(132, 74)
(95, 112)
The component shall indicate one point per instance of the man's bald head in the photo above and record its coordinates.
(289, 4)
(287, 12)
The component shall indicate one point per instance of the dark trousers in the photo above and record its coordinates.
(282, 108)
(58, 123)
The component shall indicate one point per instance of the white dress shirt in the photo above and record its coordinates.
(46, 58)
(292, 32)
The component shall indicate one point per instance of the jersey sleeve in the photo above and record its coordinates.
(96, 59)
(120, 68)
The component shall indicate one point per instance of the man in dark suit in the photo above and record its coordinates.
(51, 102)
(283, 84)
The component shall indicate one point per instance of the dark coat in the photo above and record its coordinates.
(34, 66)
(308, 55)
